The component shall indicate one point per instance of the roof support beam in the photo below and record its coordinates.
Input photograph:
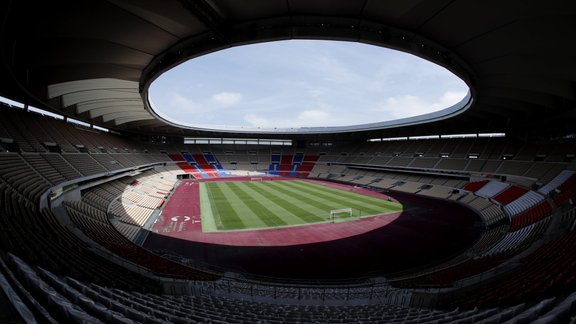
(209, 17)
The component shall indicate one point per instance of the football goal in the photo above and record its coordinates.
(340, 214)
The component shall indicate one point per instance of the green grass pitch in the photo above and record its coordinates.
(249, 205)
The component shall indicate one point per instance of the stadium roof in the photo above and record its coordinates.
(94, 60)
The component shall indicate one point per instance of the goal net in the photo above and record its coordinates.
(340, 214)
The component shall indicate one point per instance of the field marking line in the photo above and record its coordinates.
(207, 211)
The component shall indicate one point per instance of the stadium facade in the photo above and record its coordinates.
(77, 193)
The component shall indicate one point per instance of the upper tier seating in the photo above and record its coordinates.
(510, 194)
(491, 189)
(475, 186)
(556, 182)
(523, 203)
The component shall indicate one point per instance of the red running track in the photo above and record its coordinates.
(181, 219)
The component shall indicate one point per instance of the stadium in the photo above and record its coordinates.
(110, 212)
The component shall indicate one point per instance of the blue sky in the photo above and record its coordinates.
(303, 83)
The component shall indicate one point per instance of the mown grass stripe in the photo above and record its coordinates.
(266, 198)
(378, 202)
(267, 216)
(312, 212)
(321, 203)
(243, 211)
(335, 192)
(224, 209)
(368, 206)
(343, 201)
(304, 212)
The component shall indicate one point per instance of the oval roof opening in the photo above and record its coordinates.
(304, 85)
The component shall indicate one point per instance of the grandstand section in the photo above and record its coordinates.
(118, 205)
(465, 215)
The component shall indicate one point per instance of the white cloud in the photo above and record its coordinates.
(448, 99)
(258, 121)
(334, 70)
(308, 118)
(404, 106)
(411, 105)
(313, 118)
(182, 106)
(316, 92)
(179, 102)
(227, 98)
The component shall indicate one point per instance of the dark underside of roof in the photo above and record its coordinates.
(518, 57)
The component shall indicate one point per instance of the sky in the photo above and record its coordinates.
(303, 83)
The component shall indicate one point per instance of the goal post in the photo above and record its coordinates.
(340, 214)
